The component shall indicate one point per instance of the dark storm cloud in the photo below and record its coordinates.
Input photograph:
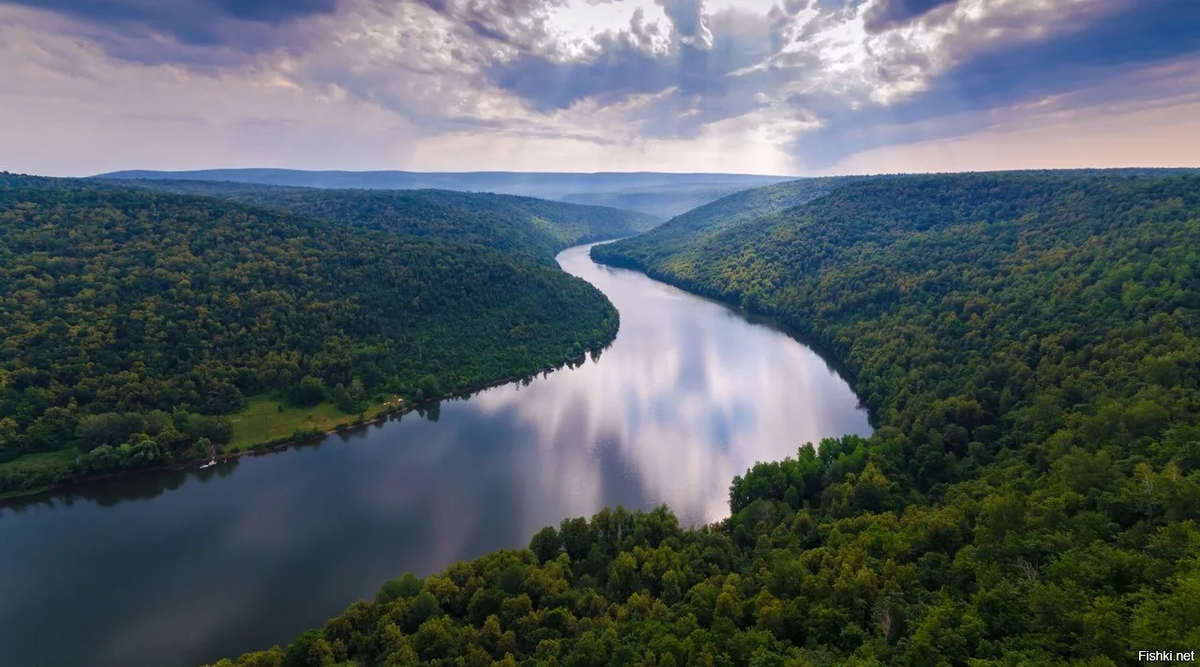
(502, 21)
(192, 22)
(615, 73)
(885, 14)
(688, 18)
(980, 92)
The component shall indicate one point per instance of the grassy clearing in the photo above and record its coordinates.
(268, 419)
(262, 422)
(47, 469)
(57, 457)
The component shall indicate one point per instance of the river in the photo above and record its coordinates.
(184, 568)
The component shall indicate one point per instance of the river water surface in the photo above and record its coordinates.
(184, 568)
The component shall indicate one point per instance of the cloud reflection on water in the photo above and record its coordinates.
(689, 395)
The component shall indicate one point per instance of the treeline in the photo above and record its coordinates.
(681, 239)
(520, 225)
(119, 305)
(1027, 344)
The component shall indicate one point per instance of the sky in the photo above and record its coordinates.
(797, 87)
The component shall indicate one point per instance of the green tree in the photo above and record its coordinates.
(404, 586)
(546, 544)
(310, 391)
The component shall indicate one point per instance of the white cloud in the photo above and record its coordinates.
(758, 7)
(575, 25)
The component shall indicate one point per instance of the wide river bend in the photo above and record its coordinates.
(178, 569)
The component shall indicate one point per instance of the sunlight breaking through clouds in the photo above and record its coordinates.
(791, 85)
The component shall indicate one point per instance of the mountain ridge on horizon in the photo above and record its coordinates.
(124, 173)
(546, 185)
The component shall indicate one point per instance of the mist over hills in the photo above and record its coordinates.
(546, 185)
(664, 203)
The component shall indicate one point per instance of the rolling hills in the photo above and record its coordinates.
(686, 230)
(509, 223)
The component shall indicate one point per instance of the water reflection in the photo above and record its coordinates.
(689, 395)
(186, 567)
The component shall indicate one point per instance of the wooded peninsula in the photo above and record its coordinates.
(143, 328)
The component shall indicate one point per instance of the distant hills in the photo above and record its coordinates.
(510, 223)
(664, 203)
(547, 185)
(661, 194)
(683, 233)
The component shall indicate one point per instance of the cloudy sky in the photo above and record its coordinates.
(756, 86)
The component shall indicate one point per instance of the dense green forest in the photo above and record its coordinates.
(132, 320)
(1028, 346)
(504, 222)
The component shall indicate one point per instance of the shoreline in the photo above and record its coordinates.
(262, 449)
(290, 441)
(825, 352)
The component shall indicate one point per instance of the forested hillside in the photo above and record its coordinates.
(503, 222)
(684, 232)
(1028, 345)
(131, 320)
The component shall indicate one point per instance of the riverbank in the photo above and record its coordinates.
(751, 314)
(400, 408)
(59, 464)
